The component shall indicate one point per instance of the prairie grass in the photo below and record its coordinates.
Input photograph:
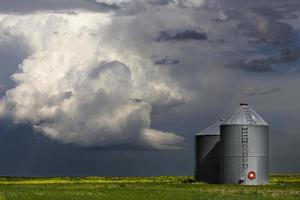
(285, 187)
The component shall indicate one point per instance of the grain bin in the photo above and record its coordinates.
(244, 145)
(207, 162)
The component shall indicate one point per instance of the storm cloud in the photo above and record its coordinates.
(86, 100)
(169, 35)
(253, 91)
(258, 65)
(166, 61)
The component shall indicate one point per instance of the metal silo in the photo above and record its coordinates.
(244, 145)
(207, 161)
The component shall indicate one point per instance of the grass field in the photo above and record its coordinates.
(283, 187)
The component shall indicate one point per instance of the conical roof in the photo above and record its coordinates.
(245, 115)
(213, 129)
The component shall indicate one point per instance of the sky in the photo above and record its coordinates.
(120, 87)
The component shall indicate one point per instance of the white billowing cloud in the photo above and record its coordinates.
(159, 139)
(76, 87)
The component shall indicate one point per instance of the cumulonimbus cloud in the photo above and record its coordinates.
(75, 87)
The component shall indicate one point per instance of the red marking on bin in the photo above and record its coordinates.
(251, 175)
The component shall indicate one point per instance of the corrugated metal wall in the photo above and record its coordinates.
(207, 161)
(235, 164)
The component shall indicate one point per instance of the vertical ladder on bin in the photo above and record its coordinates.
(245, 147)
(249, 118)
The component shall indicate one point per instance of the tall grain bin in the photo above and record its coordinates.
(244, 144)
(207, 162)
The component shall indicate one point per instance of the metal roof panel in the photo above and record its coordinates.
(245, 115)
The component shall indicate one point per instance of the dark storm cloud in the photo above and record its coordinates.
(255, 66)
(28, 6)
(279, 11)
(26, 153)
(180, 35)
(255, 91)
(287, 55)
(264, 21)
(160, 2)
(166, 61)
(266, 27)
(276, 33)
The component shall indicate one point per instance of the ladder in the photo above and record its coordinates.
(249, 118)
(245, 147)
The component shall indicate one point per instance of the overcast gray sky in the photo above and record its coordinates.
(120, 87)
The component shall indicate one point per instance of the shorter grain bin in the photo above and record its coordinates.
(207, 162)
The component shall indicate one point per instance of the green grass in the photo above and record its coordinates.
(285, 187)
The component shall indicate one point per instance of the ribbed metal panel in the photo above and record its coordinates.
(207, 160)
(245, 115)
(240, 154)
(213, 129)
